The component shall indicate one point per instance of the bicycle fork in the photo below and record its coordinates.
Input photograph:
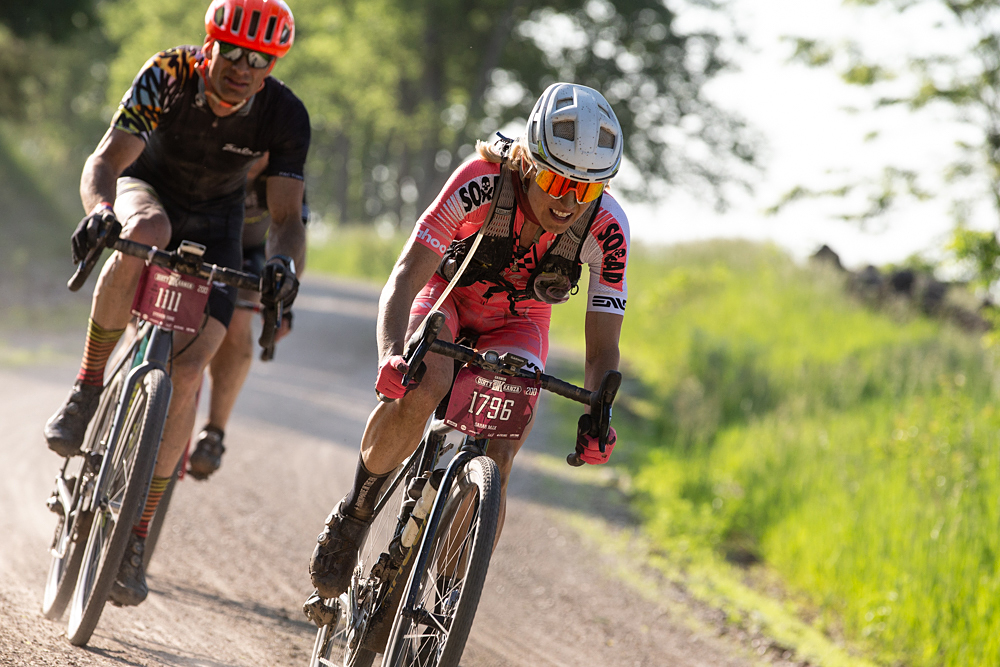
(469, 450)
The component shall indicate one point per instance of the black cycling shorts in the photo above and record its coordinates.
(219, 231)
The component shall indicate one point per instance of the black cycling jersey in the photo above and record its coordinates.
(195, 158)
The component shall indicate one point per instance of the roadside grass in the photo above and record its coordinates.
(782, 425)
(356, 252)
(827, 473)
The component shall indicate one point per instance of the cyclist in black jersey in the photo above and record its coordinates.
(231, 363)
(173, 167)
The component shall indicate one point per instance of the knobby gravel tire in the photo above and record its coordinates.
(125, 489)
(458, 558)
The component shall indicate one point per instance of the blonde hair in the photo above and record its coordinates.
(519, 156)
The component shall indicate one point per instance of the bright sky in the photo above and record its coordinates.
(802, 113)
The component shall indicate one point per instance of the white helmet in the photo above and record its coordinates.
(574, 132)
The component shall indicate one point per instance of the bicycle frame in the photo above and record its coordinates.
(157, 352)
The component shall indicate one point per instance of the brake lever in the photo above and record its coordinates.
(268, 333)
(105, 239)
(416, 349)
(600, 404)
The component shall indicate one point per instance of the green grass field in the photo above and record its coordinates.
(774, 422)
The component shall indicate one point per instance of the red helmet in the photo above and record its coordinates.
(260, 25)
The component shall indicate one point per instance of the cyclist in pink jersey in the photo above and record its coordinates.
(572, 147)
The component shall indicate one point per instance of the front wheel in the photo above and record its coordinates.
(128, 469)
(448, 587)
(332, 648)
(75, 520)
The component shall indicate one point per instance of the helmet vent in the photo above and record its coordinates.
(605, 139)
(285, 34)
(254, 24)
(220, 16)
(564, 102)
(237, 19)
(564, 130)
(269, 31)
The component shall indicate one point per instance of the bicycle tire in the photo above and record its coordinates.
(156, 525)
(126, 486)
(474, 497)
(72, 530)
(335, 645)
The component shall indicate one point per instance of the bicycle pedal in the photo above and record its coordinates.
(319, 612)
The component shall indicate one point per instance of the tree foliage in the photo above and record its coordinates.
(964, 84)
(399, 90)
(56, 19)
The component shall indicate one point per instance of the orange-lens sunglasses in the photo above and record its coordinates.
(557, 186)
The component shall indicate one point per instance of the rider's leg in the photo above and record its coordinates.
(392, 433)
(229, 368)
(185, 376)
(144, 221)
(503, 453)
(228, 371)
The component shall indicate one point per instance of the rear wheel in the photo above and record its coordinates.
(451, 582)
(75, 520)
(126, 481)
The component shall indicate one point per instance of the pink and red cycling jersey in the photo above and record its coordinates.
(460, 210)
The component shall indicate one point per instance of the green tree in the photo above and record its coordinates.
(435, 75)
(964, 84)
(399, 90)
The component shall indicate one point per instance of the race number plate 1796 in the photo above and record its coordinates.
(490, 405)
(171, 300)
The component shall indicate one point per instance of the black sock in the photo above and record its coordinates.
(360, 501)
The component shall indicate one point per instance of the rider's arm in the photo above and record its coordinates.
(287, 235)
(116, 151)
(602, 331)
(413, 269)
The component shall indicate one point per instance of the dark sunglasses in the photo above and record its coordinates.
(255, 59)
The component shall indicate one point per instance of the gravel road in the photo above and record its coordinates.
(230, 573)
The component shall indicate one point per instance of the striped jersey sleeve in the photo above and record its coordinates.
(158, 85)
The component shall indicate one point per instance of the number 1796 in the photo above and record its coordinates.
(497, 406)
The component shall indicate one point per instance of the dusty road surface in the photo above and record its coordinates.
(230, 574)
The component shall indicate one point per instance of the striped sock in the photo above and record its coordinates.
(100, 343)
(156, 489)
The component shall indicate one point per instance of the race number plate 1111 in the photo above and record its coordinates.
(490, 405)
(171, 300)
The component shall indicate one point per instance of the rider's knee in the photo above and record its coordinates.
(503, 452)
(187, 368)
(148, 225)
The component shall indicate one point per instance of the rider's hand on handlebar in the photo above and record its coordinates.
(390, 378)
(278, 282)
(587, 447)
(85, 236)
